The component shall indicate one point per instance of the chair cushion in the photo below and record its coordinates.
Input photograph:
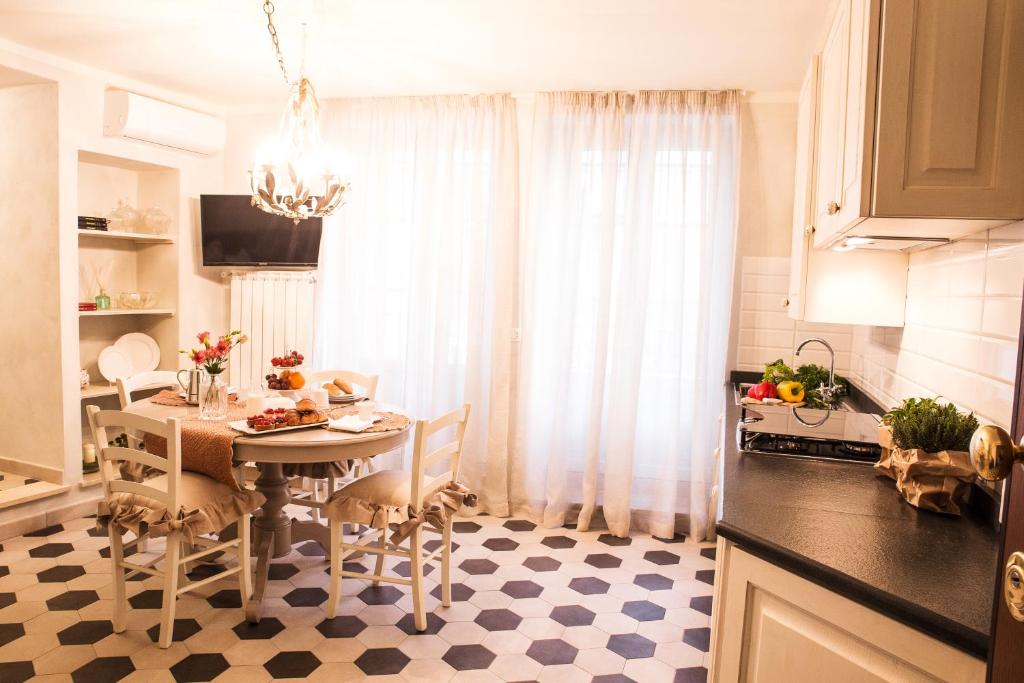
(381, 500)
(195, 490)
(206, 506)
(386, 487)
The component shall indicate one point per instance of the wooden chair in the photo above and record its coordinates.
(396, 488)
(173, 491)
(157, 379)
(316, 490)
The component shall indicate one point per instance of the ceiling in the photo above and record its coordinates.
(219, 50)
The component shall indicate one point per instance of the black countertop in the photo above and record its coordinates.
(845, 528)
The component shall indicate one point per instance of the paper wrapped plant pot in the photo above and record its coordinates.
(931, 481)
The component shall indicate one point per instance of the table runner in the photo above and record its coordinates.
(207, 446)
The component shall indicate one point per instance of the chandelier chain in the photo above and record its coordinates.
(268, 9)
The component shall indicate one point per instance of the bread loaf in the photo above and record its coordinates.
(343, 385)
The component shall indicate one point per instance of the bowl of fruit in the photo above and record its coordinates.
(285, 373)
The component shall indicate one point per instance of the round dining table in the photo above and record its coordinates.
(273, 531)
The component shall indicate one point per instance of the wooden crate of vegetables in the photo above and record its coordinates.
(924, 449)
(781, 384)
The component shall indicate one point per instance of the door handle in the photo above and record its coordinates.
(832, 208)
(993, 453)
(1013, 585)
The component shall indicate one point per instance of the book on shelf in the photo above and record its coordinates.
(92, 223)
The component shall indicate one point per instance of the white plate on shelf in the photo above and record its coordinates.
(113, 363)
(142, 349)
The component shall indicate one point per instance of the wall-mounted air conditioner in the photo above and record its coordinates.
(131, 116)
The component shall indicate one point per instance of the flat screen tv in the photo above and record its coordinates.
(235, 233)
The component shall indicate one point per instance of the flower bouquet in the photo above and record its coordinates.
(212, 357)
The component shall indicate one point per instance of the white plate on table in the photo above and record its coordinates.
(142, 349)
(113, 363)
(243, 427)
(345, 398)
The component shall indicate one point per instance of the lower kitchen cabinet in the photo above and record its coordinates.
(770, 625)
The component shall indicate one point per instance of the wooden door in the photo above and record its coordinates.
(803, 190)
(1006, 652)
(950, 127)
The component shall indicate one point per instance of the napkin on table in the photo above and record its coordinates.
(352, 422)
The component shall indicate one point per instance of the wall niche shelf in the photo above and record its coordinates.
(101, 390)
(126, 311)
(126, 261)
(139, 238)
(98, 391)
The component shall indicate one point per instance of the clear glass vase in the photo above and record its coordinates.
(213, 397)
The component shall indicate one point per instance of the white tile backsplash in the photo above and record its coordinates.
(960, 337)
(766, 330)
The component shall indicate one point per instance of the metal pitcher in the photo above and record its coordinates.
(191, 387)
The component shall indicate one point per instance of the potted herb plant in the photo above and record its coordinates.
(924, 448)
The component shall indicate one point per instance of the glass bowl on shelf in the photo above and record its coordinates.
(123, 218)
(155, 222)
(136, 300)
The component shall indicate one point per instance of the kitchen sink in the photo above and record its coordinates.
(740, 390)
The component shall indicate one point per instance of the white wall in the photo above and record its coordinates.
(962, 325)
(767, 158)
(30, 294)
(203, 297)
(765, 331)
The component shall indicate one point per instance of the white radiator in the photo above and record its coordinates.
(276, 310)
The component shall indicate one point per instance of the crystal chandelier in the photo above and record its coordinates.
(295, 178)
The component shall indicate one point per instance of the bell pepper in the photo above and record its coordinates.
(762, 391)
(791, 392)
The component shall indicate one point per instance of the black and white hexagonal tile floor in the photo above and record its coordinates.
(529, 604)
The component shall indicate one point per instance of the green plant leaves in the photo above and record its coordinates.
(931, 426)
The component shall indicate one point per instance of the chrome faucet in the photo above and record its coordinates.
(828, 393)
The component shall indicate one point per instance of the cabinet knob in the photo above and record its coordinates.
(832, 208)
(809, 230)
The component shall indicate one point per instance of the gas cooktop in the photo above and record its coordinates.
(802, 432)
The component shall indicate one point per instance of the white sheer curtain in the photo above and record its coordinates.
(416, 275)
(626, 268)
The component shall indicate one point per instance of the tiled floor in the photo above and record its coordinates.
(531, 604)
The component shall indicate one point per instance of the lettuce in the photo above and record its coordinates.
(777, 372)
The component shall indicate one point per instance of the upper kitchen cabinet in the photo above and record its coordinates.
(920, 132)
(856, 287)
(847, 60)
